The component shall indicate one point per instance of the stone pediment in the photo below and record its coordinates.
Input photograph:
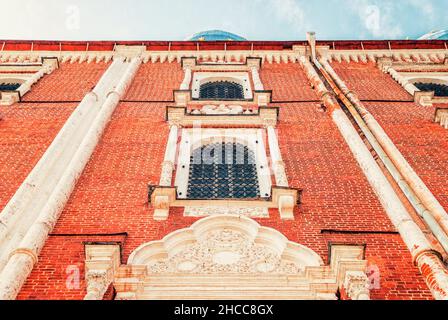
(232, 257)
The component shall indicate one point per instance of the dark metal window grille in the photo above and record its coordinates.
(9, 86)
(223, 171)
(440, 90)
(221, 90)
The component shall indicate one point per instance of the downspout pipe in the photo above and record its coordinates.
(423, 255)
(421, 190)
(23, 259)
(412, 197)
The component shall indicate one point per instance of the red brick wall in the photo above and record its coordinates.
(26, 131)
(288, 82)
(70, 82)
(422, 142)
(155, 82)
(370, 83)
(111, 194)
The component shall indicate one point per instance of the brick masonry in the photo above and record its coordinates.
(111, 195)
(411, 127)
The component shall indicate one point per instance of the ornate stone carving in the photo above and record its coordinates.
(221, 109)
(357, 285)
(225, 251)
(97, 283)
(205, 211)
(232, 256)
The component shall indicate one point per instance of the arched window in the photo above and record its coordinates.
(223, 171)
(221, 90)
(440, 90)
(9, 86)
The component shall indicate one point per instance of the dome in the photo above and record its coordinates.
(435, 35)
(215, 35)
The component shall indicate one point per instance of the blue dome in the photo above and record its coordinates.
(215, 35)
(435, 35)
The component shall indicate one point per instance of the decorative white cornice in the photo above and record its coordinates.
(274, 56)
(408, 55)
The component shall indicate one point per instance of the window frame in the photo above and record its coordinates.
(241, 78)
(196, 138)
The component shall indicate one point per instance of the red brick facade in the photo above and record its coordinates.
(110, 200)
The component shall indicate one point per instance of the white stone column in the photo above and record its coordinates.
(170, 157)
(256, 78)
(185, 85)
(276, 158)
(22, 259)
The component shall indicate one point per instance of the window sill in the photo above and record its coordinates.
(283, 199)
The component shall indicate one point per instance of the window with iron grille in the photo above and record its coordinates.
(9, 86)
(223, 171)
(221, 90)
(440, 90)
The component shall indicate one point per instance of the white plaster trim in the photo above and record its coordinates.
(242, 78)
(205, 211)
(402, 55)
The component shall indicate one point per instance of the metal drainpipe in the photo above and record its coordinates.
(418, 186)
(426, 259)
(422, 211)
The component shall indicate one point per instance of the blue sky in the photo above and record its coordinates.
(253, 19)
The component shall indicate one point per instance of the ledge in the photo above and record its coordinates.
(192, 63)
(265, 116)
(283, 199)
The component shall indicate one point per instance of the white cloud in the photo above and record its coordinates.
(291, 11)
(379, 21)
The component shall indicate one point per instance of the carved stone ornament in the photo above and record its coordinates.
(225, 244)
(205, 211)
(233, 257)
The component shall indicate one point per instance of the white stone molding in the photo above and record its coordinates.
(33, 211)
(221, 109)
(206, 211)
(442, 117)
(27, 80)
(357, 285)
(185, 85)
(241, 78)
(101, 263)
(170, 157)
(409, 75)
(258, 85)
(401, 55)
(286, 203)
(281, 197)
(350, 268)
(260, 117)
(129, 52)
(232, 257)
(276, 158)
